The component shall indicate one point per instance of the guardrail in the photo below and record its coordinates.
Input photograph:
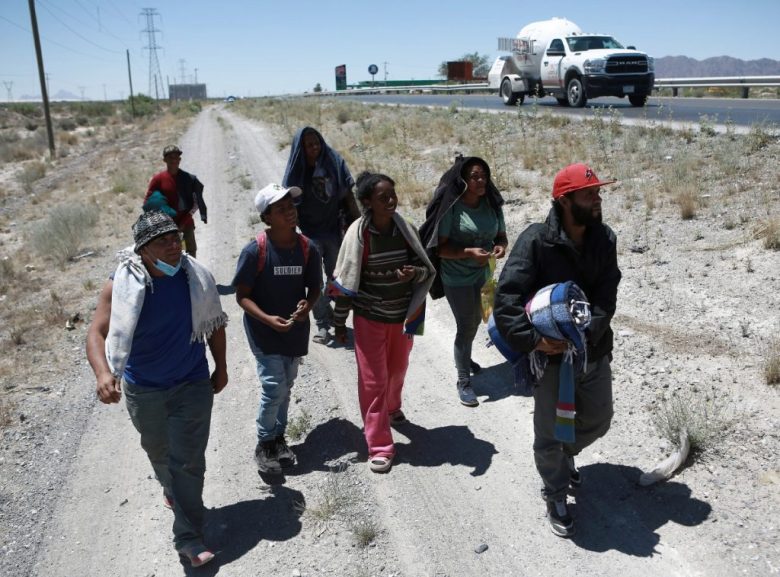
(745, 82)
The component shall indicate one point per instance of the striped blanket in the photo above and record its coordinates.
(558, 311)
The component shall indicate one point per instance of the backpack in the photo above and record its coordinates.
(262, 241)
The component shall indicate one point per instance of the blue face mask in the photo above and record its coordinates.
(167, 269)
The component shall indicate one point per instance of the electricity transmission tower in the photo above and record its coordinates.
(155, 76)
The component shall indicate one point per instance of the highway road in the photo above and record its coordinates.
(740, 112)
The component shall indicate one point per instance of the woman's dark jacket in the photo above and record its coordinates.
(451, 187)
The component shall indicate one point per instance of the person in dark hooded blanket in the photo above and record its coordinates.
(464, 228)
(325, 209)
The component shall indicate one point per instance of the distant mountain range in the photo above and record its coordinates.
(684, 67)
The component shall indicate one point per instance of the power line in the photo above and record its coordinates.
(53, 15)
(50, 41)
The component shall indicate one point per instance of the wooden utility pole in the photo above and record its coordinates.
(42, 75)
(130, 77)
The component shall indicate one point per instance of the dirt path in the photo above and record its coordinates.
(463, 478)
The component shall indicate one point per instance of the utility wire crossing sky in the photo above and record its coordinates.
(262, 47)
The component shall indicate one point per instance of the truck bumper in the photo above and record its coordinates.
(622, 85)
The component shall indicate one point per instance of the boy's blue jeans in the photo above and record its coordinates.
(277, 374)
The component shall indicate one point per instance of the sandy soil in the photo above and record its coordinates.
(464, 477)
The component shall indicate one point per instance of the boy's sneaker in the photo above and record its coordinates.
(285, 453)
(267, 458)
(561, 522)
(466, 394)
(575, 478)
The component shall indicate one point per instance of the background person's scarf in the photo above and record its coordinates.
(329, 164)
(560, 311)
(129, 290)
(346, 275)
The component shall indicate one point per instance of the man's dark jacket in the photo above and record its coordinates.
(543, 255)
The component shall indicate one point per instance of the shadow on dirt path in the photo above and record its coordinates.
(614, 513)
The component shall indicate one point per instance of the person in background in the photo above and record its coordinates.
(383, 275)
(465, 227)
(571, 245)
(325, 209)
(277, 282)
(179, 194)
(150, 329)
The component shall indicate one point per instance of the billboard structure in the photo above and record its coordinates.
(341, 77)
(187, 91)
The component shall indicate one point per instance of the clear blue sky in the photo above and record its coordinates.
(263, 47)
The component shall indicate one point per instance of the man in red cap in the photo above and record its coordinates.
(572, 245)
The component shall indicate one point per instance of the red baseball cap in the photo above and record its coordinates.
(575, 177)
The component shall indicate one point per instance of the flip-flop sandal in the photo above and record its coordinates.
(197, 555)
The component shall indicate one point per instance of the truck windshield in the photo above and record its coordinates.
(584, 43)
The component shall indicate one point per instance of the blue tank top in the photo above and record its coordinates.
(162, 355)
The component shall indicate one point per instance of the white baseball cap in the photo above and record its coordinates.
(273, 192)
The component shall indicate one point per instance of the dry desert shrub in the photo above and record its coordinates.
(299, 425)
(772, 364)
(334, 496)
(31, 173)
(364, 530)
(702, 414)
(63, 233)
(769, 231)
(7, 407)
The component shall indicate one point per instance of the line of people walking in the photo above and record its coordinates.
(329, 251)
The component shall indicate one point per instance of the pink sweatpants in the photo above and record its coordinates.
(382, 354)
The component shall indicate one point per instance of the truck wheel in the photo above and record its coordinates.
(562, 101)
(637, 99)
(575, 93)
(509, 97)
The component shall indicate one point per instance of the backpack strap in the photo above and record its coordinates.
(262, 249)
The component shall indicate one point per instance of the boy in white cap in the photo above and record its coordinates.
(277, 282)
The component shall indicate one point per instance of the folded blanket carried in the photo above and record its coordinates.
(558, 311)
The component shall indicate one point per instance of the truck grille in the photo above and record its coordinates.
(626, 64)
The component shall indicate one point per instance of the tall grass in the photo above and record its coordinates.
(63, 233)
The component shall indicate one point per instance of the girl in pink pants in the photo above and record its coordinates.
(383, 275)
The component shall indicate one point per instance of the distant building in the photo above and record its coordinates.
(187, 91)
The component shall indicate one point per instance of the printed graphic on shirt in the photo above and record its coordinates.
(288, 270)
(319, 188)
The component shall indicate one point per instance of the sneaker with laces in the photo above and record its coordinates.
(561, 522)
(284, 452)
(267, 458)
(466, 394)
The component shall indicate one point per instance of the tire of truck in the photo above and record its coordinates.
(509, 97)
(575, 93)
(562, 101)
(637, 99)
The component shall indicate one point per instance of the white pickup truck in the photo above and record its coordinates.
(555, 57)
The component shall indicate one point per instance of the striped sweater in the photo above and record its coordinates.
(382, 296)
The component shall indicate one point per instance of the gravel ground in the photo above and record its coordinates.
(696, 313)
